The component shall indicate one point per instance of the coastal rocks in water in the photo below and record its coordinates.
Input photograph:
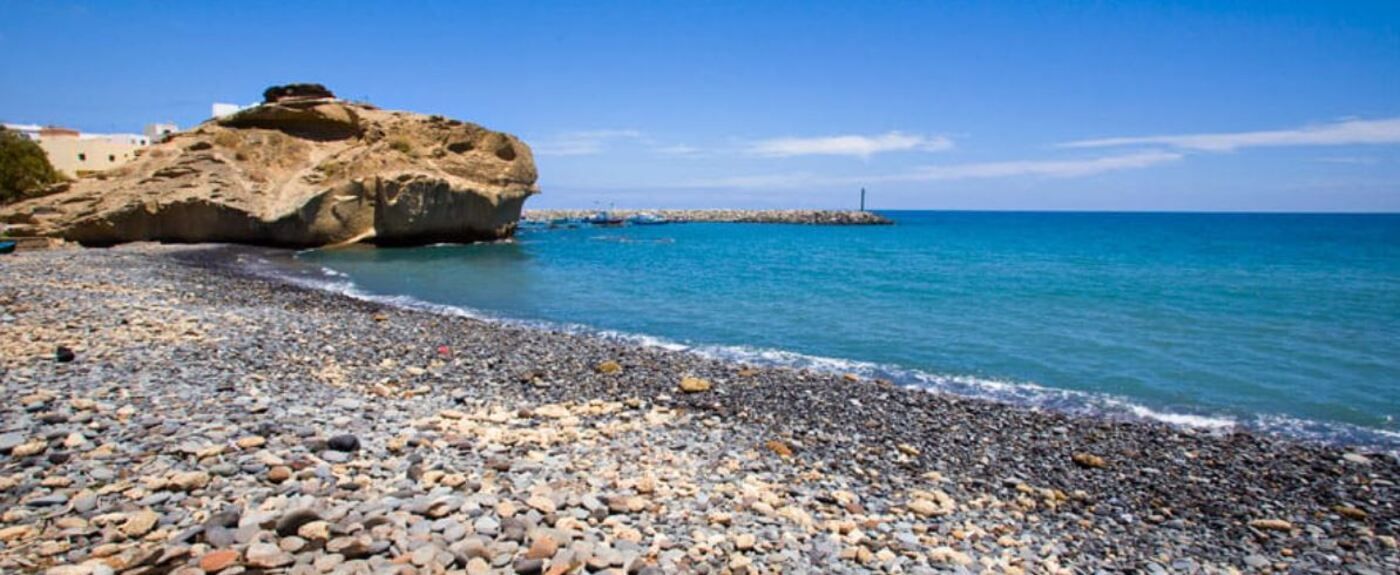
(302, 169)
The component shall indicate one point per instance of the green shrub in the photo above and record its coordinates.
(24, 167)
(401, 145)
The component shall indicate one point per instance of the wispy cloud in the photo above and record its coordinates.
(584, 143)
(1385, 131)
(980, 170)
(680, 150)
(848, 145)
(1044, 168)
(1349, 160)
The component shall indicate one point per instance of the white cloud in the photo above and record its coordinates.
(980, 170)
(848, 145)
(1386, 131)
(1351, 160)
(585, 143)
(680, 150)
(1044, 168)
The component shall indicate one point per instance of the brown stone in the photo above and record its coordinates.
(189, 481)
(279, 474)
(251, 442)
(694, 385)
(1351, 512)
(218, 560)
(1271, 525)
(140, 523)
(33, 447)
(1088, 460)
(543, 547)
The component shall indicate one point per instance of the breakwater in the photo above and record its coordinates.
(808, 217)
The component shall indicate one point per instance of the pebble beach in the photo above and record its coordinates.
(208, 420)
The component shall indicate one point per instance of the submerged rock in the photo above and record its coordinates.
(302, 169)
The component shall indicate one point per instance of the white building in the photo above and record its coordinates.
(76, 153)
(221, 109)
(30, 131)
(156, 133)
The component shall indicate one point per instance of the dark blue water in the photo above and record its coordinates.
(1282, 322)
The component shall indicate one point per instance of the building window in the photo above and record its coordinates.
(111, 158)
(82, 157)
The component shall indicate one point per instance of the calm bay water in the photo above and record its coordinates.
(1288, 323)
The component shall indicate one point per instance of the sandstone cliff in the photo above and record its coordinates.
(302, 169)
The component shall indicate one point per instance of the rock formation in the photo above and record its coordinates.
(303, 169)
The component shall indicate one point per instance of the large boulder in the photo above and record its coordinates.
(294, 91)
(303, 169)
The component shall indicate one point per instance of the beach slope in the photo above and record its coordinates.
(168, 411)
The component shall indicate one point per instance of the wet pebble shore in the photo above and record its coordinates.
(208, 421)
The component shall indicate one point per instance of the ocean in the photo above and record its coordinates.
(1282, 323)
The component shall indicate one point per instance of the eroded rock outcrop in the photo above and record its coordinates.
(302, 169)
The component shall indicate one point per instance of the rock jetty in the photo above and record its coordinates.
(810, 217)
(210, 421)
(302, 169)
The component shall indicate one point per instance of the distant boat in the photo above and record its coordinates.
(603, 219)
(7, 246)
(648, 220)
(567, 223)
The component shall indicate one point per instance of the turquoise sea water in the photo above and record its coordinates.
(1289, 323)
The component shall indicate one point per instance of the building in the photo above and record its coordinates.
(76, 154)
(221, 109)
(156, 133)
(30, 131)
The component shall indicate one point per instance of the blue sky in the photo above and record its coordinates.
(1273, 106)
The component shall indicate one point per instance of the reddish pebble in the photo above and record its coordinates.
(279, 474)
(215, 561)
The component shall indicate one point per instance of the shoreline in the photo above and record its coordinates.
(1068, 402)
(893, 477)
